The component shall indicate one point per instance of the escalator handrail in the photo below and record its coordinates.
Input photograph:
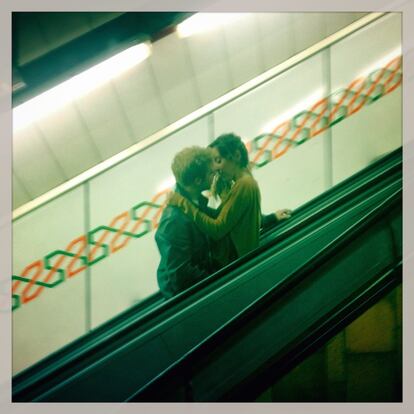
(56, 361)
(187, 362)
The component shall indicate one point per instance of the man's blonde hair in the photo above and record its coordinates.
(191, 163)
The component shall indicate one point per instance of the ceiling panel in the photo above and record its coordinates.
(245, 36)
(100, 110)
(208, 56)
(174, 76)
(34, 163)
(20, 194)
(181, 99)
(97, 19)
(141, 101)
(245, 58)
(271, 23)
(137, 85)
(336, 21)
(206, 49)
(245, 65)
(213, 81)
(113, 135)
(30, 41)
(309, 28)
(59, 28)
(275, 37)
(146, 118)
(68, 139)
(170, 64)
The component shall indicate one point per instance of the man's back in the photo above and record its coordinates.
(185, 252)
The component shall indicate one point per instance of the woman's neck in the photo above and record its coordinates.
(241, 172)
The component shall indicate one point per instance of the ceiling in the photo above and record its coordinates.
(180, 76)
(49, 47)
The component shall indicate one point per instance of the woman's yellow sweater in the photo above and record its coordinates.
(239, 217)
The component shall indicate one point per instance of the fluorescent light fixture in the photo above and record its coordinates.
(203, 22)
(306, 103)
(80, 85)
(165, 185)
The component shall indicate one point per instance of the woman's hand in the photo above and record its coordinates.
(283, 214)
(174, 199)
(177, 200)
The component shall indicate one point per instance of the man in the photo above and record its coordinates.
(184, 249)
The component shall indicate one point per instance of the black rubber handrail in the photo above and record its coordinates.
(185, 365)
(81, 350)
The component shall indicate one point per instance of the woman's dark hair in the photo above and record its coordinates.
(228, 144)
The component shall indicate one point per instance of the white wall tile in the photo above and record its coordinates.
(367, 136)
(364, 49)
(57, 315)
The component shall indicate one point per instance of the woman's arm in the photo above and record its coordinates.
(243, 193)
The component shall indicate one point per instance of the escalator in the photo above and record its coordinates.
(148, 340)
(290, 321)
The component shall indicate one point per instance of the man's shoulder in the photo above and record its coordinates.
(172, 221)
(175, 216)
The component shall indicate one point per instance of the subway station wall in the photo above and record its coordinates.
(90, 254)
(180, 76)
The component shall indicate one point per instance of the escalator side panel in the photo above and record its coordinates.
(347, 272)
(241, 292)
(109, 379)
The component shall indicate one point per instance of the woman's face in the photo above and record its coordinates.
(226, 167)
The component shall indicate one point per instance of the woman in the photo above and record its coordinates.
(236, 228)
